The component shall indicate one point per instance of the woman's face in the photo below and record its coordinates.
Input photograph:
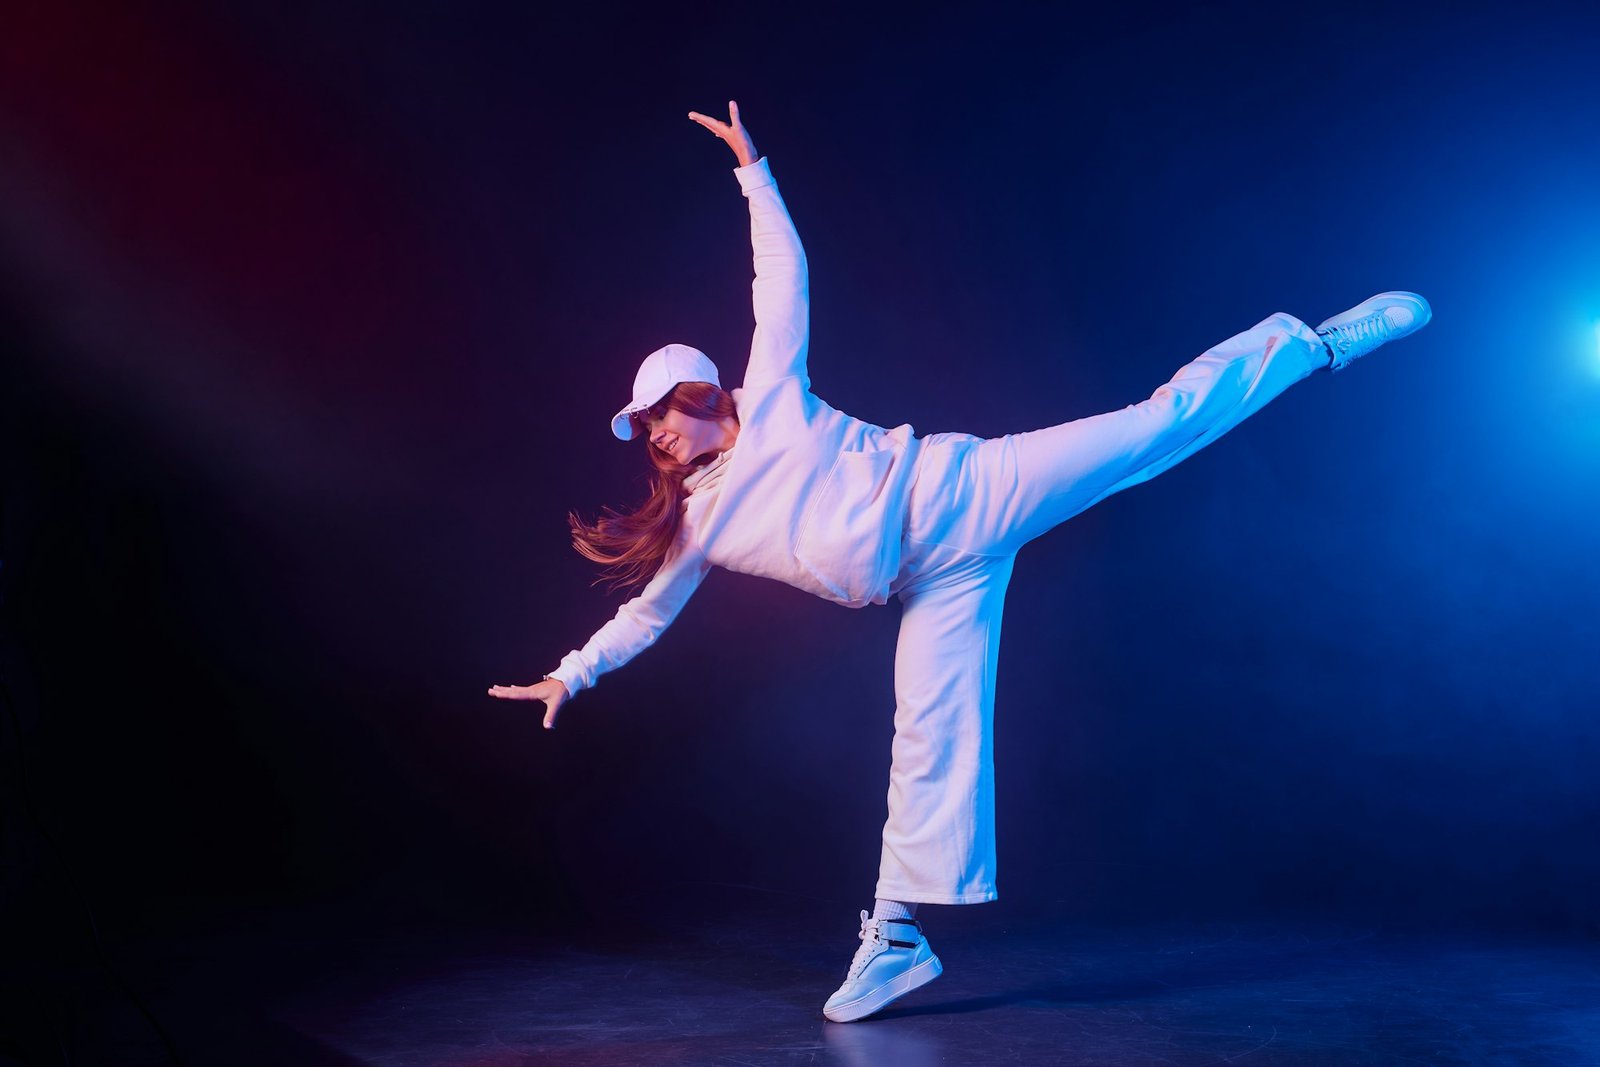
(684, 437)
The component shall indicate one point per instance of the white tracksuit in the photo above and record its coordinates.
(856, 514)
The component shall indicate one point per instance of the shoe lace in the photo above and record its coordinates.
(871, 944)
(1373, 329)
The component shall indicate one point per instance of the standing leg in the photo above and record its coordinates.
(938, 842)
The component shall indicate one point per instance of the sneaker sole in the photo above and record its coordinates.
(888, 993)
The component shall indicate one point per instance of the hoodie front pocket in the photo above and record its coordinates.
(842, 540)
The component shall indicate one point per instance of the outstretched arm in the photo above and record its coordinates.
(636, 626)
(780, 290)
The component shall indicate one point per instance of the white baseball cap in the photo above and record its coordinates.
(660, 371)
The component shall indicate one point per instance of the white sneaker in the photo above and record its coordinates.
(1373, 322)
(894, 958)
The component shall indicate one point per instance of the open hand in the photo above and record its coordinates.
(552, 692)
(733, 132)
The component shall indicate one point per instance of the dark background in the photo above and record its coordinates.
(313, 321)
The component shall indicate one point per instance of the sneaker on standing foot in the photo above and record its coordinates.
(894, 958)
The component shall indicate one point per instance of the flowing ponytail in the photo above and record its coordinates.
(632, 545)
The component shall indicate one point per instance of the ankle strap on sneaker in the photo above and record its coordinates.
(888, 935)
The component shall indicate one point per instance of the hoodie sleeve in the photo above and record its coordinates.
(780, 292)
(638, 622)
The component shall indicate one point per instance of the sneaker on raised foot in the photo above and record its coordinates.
(893, 959)
(1373, 322)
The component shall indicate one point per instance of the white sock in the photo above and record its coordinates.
(893, 909)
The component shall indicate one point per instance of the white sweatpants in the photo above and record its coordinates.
(974, 503)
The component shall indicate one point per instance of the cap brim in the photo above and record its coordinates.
(622, 422)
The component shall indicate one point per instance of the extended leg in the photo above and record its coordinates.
(1012, 489)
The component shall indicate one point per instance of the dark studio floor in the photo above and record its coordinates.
(745, 985)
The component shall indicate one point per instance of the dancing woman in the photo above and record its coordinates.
(767, 479)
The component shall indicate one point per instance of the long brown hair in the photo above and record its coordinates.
(633, 544)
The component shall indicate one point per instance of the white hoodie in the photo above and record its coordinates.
(809, 495)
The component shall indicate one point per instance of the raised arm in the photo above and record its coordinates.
(780, 292)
